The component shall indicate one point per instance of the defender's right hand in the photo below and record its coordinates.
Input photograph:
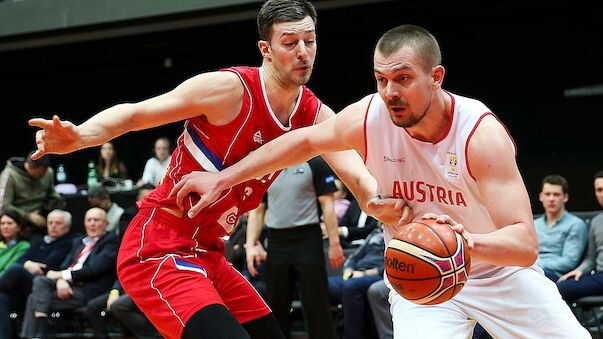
(202, 183)
(55, 136)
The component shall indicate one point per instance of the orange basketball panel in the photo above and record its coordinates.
(414, 289)
(405, 265)
(421, 235)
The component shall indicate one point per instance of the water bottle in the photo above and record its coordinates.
(92, 180)
(61, 174)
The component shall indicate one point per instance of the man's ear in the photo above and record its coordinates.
(437, 73)
(264, 48)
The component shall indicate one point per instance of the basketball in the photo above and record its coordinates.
(427, 263)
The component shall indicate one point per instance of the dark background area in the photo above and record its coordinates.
(517, 57)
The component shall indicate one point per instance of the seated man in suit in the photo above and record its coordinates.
(45, 254)
(354, 224)
(87, 271)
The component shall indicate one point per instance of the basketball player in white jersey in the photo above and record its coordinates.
(450, 159)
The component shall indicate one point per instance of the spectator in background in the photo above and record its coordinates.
(562, 236)
(580, 282)
(342, 203)
(116, 301)
(27, 188)
(378, 298)
(156, 166)
(87, 271)
(354, 225)
(121, 306)
(13, 239)
(100, 197)
(363, 268)
(109, 167)
(46, 254)
(130, 212)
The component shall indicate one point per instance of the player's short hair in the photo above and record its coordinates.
(41, 162)
(416, 37)
(598, 175)
(275, 11)
(555, 179)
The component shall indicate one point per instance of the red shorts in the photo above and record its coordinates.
(171, 272)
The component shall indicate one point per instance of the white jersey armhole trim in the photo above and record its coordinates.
(246, 118)
(265, 95)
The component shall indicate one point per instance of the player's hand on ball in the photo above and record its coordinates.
(390, 211)
(446, 219)
(202, 183)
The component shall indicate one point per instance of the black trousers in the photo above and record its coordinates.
(15, 286)
(125, 311)
(296, 259)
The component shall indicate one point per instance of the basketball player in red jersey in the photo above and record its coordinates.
(451, 160)
(172, 264)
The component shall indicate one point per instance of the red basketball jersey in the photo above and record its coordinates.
(205, 147)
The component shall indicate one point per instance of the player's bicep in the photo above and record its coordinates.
(491, 161)
(210, 94)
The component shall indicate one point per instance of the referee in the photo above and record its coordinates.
(293, 207)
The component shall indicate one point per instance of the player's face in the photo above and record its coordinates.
(552, 197)
(404, 85)
(599, 190)
(292, 50)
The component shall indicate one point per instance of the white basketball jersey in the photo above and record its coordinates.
(431, 177)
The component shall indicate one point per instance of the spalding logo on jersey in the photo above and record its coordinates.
(229, 219)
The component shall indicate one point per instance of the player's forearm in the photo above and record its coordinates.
(106, 125)
(289, 149)
(513, 245)
(351, 170)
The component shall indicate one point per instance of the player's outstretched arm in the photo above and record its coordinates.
(211, 94)
(492, 163)
(291, 148)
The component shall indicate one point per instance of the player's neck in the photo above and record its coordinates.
(281, 96)
(436, 122)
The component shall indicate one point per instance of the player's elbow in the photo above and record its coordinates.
(530, 254)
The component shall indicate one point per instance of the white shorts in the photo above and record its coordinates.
(514, 303)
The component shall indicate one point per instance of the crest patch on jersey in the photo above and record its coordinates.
(451, 165)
